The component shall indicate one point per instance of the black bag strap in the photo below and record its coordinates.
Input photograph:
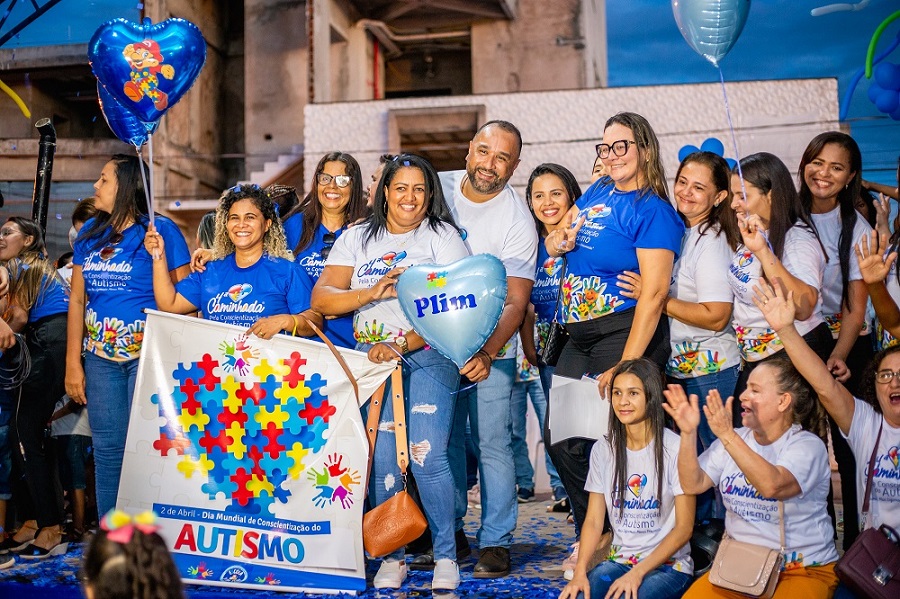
(562, 279)
(869, 474)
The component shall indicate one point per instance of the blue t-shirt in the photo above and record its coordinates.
(53, 298)
(545, 292)
(617, 224)
(338, 330)
(227, 293)
(118, 286)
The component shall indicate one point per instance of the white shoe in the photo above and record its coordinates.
(446, 575)
(390, 575)
(8, 561)
(473, 496)
(570, 562)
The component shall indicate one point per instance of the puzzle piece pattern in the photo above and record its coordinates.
(245, 440)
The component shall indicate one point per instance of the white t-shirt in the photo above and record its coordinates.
(803, 258)
(752, 518)
(828, 225)
(884, 506)
(383, 320)
(644, 523)
(697, 277)
(502, 226)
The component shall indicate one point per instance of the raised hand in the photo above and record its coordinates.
(883, 215)
(874, 264)
(753, 233)
(563, 239)
(779, 310)
(718, 415)
(683, 410)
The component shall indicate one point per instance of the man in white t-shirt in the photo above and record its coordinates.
(496, 221)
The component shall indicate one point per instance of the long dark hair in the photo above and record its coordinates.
(437, 214)
(130, 204)
(847, 197)
(647, 145)
(768, 173)
(721, 218)
(27, 284)
(573, 190)
(652, 378)
(142, 568)
(311, 209)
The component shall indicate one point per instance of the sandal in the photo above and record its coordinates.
(11, 544)
(33, 551)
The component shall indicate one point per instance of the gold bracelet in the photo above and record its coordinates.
(294, 332)
(728, 442)
(358, 301)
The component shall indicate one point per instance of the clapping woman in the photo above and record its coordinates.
(250, 252)
(772, 458)
(410, 225)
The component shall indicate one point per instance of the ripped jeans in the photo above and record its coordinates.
(430, 381)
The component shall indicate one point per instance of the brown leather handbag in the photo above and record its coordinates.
(747, 568)
(871, 567)
(398, 521)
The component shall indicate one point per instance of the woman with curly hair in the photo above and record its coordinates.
(252, 280)
(128, 560)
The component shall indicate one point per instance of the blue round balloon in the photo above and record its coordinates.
(711, 27)
(686, 151)
(147, 67)
(123, 123)
(887, 75)
(713, 145)
(454, 307)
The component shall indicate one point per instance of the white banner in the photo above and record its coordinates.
(254, 454)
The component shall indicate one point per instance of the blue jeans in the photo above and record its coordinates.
(661, 583)
(519, 402)
(487, 408)
(709, 504)
(109, 387)
(430, 381)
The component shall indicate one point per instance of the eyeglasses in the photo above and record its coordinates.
(328, 239)
(4, 233)
(885, 376)
(619, 148)
(339, 180)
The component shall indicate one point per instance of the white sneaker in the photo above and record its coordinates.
(570, 562)
(390, 575)
(446, 575)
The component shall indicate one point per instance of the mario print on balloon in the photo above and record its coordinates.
(147, 64)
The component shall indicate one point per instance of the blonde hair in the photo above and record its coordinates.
(274, 242)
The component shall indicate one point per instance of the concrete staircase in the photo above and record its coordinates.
(274, 169)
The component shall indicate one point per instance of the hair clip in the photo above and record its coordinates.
(120, 526)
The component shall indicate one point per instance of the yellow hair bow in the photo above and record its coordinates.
(120, 526)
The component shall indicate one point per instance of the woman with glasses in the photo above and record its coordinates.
(249, 252)
(871, 425)
(111, 287)
(40, 298)
(623, 222)
(410, 225)
(336, 199)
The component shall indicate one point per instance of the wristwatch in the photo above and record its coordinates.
(402, 343)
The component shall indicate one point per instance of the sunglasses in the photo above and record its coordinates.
(327, 239)
(339, 180)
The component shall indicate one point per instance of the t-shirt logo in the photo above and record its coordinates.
(893, 456)
(240, 291)
(392, 258)
(636, 484)
(109, 252)
(551, 266)
(745, 259)
(598, 211)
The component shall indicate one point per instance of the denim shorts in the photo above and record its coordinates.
(73, 452)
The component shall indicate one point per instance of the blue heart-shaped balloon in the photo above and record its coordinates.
(125, 125)
(147, 68)
(456, 307)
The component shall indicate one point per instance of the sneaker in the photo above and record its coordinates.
(559, 493)
(525, 495)
(474, 497)
(560, 506)
(570, 562)
(390, 575)
(7, 561)
(446, 575)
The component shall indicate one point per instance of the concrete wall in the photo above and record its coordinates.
(563, 126)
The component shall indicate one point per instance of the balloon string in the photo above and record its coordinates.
(408, 363)
(150, 189)
(737, 154)
(146, 193)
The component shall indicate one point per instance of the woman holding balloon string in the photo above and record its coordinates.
(623, 222)
(410, 224)
(251, 254)
(704, 353)
(111, 286)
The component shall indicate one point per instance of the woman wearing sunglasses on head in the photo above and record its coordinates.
(250, 252)
(336, 199)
